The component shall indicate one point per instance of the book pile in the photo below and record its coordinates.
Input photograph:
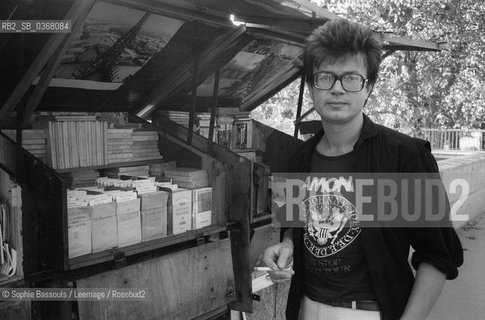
(75, 144)
(243, 132)
(204, 124)
(118, 213)
(224, 131)
(65, 116)
(188, 177)
(119, 145)
(145, 145)
(33, 141)
(180, 117)
(128, 144)
(158, 169)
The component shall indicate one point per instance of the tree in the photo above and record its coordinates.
(422, 89)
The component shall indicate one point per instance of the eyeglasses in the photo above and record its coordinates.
(350, 82)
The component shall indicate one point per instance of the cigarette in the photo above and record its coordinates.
(266, 269)
(263, 269)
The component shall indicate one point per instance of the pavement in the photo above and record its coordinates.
(464, 297)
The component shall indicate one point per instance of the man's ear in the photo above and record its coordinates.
(309, 87)
(369, 89)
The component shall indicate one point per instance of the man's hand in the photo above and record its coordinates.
(279, 258)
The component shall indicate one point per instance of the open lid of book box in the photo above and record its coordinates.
(96, 56)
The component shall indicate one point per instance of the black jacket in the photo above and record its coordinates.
(386, 249)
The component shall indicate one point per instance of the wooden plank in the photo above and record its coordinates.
(218, 181)
(321, 12)
(300, 104)
(304, 25)
(38, 64)
(9, 190)
(265, 308)
(242, 273)
(175, 11)
(215, 96)
(193, 103)
(15, 310)
(56, 58)
(410, 44)
(110, 255)
(8, 150)
(182, 285)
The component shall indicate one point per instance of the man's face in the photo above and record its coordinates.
(336, 105)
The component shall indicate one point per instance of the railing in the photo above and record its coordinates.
(455, 139)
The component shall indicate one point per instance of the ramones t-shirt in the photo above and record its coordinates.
(335, 267)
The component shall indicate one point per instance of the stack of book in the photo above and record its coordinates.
(243, 132)
(128, 144)
(180, 117)
(145, 145)
(158, 169)
(64, 116)
(33, 141)
(119, 145)
(188, 177)
(204, 124)
(74, 144)
(224, 131)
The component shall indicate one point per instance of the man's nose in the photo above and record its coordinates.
(337, 86)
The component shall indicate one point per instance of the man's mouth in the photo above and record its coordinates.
(336, 103)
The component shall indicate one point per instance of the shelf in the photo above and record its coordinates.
(111, 165)
(261, 218)
(110, 255)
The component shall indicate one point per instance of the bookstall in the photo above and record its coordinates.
(128, 156)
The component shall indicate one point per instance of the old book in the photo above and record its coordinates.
(104, 233)
(201, 207)
(179, 214)
(154, 223)
(79, 231)
(129, 228)
(186, 172)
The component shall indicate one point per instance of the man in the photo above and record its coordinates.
(367, 275)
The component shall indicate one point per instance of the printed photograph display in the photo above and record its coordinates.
(255, 65)
(114, 43)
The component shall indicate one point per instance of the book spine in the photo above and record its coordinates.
(105, 143)
(51, 144)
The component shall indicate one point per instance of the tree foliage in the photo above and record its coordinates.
(419, 89)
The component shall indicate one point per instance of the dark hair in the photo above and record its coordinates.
(338, 37)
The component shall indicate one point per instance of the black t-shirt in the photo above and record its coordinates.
(335, 267)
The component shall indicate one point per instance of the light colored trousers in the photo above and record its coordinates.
(312, 310)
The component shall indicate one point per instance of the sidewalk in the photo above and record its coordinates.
(464, 297)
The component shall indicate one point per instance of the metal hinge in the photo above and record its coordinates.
(120, 259)
(231, 294)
